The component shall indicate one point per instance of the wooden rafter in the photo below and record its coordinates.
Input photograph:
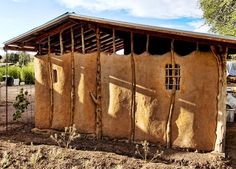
(57, 30)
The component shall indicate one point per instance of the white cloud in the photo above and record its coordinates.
(162, 9)
(199, 26)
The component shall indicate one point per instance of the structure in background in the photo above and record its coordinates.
(168, 88)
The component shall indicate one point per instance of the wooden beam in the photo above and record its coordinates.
(82, 39)
(172, 100)
(61, 43)
(107, 45)
(57, 30)
(72, 78)
(17, 48)
(221, 58)
(133, 89)
(147, 44)
(51, 83)
(114, 38)
(98, 89)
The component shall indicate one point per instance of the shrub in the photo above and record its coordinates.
(14, 72)
(27, 74)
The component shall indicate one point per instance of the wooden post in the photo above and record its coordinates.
(133, 90)
(172, 99)
(147, 44)
(50, 82)
(61, 44)
(6, 104)
(114, 40)
(72, 78)
(221, 58)
(98, 90)
(82, 39)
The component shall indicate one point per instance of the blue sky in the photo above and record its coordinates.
(19, 16)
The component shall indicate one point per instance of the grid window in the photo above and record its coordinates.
(171, 75)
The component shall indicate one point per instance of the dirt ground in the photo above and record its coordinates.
(22, 148)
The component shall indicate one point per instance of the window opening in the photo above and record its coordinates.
(171, 74)
(55, 79)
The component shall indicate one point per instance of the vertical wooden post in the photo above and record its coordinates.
(40, 49)
(61, 43)
(6, 73)
(133, 89)
(114, 40)
(72, 78)
(221, 57)
(82, 39)
(98, 90)
(172, 99)
(50, 82)
(147, 44)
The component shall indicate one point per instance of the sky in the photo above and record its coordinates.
(19, 16)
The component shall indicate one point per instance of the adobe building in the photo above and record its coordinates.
(169, 86)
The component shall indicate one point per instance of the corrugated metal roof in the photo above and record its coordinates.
(193, 36)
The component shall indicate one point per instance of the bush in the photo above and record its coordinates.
(14, 72)
(27, 74)
(1, 76)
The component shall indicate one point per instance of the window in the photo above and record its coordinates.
(54, 76)
(171, 75)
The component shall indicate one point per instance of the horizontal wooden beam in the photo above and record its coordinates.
(18, 48)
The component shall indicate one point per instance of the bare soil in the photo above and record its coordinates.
(23, 145)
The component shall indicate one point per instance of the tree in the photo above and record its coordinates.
(13, 57)
(220, 15)
(24, 59)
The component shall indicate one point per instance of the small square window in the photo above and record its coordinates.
(172, 74)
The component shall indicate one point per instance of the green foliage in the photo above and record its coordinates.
(25, 73)
(24, 59)
(20, 104)
(220, 15)
(14, 71)
(13, 57)
(21, 58)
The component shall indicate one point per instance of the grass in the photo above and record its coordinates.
(25, 74)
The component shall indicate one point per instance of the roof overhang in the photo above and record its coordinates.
(28, 40)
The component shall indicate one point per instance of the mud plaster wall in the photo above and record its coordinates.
(116, 95)
(194, 117)
(61, 91)
(85, 82)
(42, 95)
(195, 113)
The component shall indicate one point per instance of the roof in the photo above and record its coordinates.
(30, 39)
